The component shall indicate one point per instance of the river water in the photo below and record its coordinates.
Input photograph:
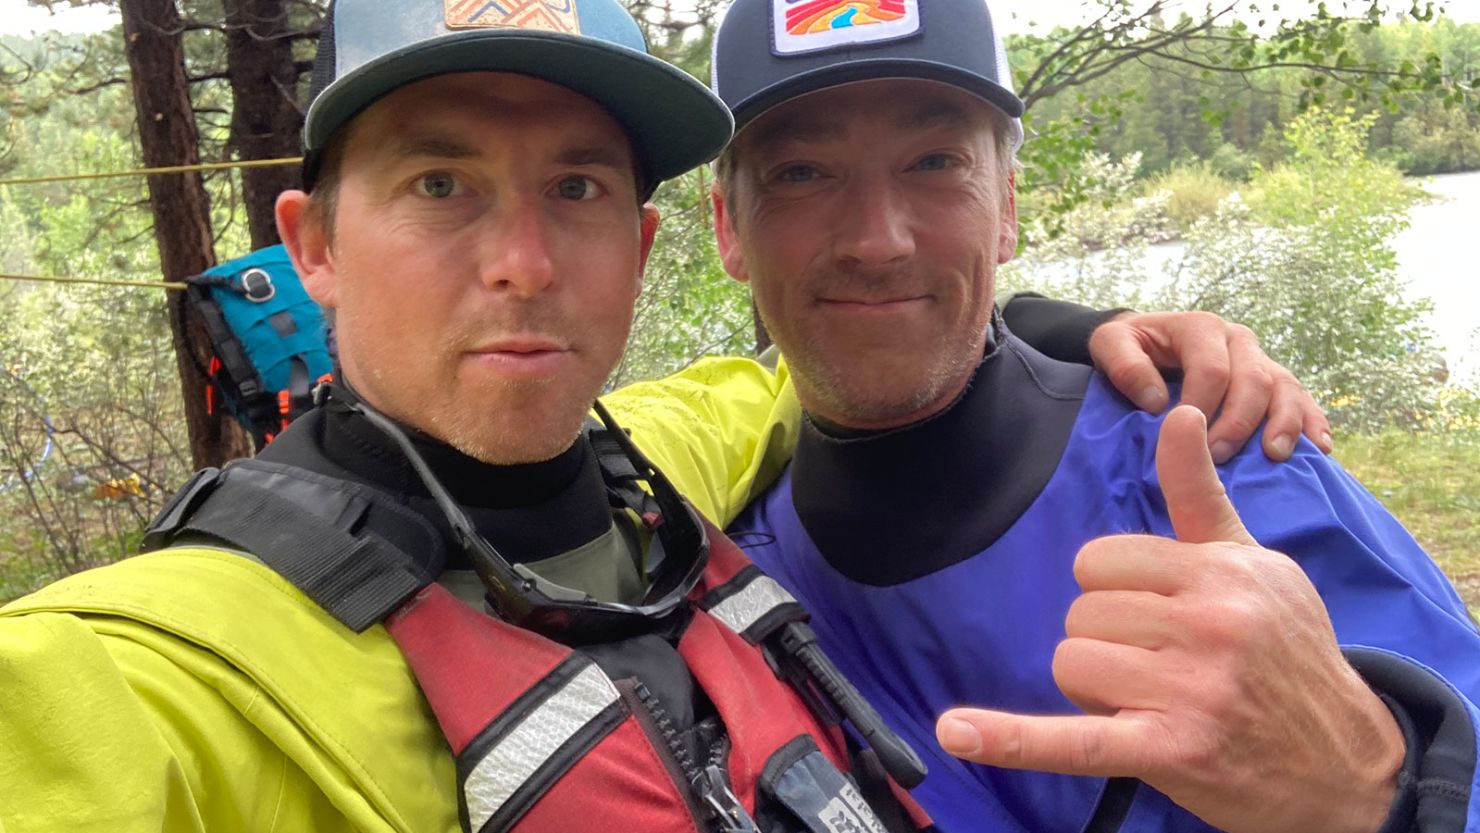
(1439, 257)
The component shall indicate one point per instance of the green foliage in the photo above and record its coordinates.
(1211, 88)
(1193, 192)
(96, 363)
(1431, 482)
(689, 307)
(1308, 264)
(1301, 254)
(1094, 253)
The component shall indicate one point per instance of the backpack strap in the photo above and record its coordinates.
(310, 529)
(618, 471)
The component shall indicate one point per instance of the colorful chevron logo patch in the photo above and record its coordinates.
(548, 15)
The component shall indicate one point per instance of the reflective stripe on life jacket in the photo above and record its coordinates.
(545, 741)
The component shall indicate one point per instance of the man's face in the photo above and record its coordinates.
(869, 220)
(487, 249)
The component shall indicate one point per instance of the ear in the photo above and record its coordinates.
(725, 237)
(302, 229)
(650, 220)
(1007, 233)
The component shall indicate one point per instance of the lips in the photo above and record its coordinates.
(522, 357)
(866, 305)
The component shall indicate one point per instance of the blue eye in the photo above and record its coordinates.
(439, 185)
(797, 173)
(933, 162)
(578, 188)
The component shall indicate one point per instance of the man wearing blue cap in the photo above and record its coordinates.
(444, 555)
(971, 523)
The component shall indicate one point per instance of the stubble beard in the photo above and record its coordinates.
(499, 421)
(512, 437)
(854, 396)
(840, 387)
(531, 420)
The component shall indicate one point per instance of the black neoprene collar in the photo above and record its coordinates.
(532, 511)
(945, 488)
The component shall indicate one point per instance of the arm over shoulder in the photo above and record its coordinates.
(722, 429)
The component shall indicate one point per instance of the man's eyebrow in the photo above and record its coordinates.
(436, 147)
(611, 157)
(800, 128)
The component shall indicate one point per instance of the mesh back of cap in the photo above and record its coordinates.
(323, 60)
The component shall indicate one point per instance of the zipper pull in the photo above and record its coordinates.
(714, 791)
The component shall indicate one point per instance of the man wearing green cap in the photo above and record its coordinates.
(444, 555)
(313, 635)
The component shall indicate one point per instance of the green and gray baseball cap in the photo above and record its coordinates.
(369, 48)
(767, 52)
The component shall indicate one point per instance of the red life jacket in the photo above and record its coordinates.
(545, 741)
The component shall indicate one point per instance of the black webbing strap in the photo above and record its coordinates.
(620, 474)
(300, 388)
(303, 530)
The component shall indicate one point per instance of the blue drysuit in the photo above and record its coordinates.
(937, 563)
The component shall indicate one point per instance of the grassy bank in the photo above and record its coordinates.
(1432, 485)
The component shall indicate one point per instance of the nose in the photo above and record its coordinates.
(874, 229)
(516, 252)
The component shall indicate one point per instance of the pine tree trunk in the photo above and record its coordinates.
(182, 217)
(265, 122)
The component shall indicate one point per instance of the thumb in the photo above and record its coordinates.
(1200, 510)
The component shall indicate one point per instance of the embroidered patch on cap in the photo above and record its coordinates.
(809, 25)
(549, 15)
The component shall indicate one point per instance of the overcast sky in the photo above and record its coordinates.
(17, 17)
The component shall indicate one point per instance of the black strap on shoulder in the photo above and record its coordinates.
(622, 489)
(309, 529)
(617, 470)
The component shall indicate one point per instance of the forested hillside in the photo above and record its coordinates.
(1174, 109)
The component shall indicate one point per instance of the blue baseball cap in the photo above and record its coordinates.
(767, 52)
(369, 48)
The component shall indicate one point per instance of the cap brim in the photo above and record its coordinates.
(674, 120)
(856, 70)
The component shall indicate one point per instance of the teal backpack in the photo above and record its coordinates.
(270, 343)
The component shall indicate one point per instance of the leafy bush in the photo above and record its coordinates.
(1231, 163)
(1304, 260)
(92, 438)
(1193, 192)
(1097, 255)
(689, 306)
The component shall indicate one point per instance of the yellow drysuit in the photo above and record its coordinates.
(194, 689)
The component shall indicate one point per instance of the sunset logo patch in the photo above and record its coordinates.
(821, 15)
(546, 15)
(811, 25)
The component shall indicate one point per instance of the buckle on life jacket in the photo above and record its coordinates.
(179, 509)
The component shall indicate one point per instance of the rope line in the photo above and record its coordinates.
(174, 286)
(173, 169)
